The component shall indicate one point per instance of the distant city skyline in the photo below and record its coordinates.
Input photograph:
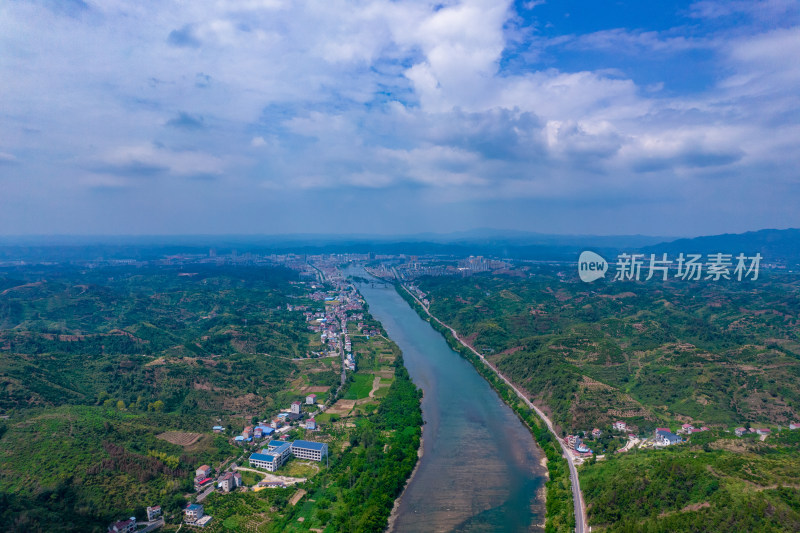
(376, 117)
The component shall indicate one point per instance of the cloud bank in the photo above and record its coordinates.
(145, 117)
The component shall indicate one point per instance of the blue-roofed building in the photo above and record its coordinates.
(666, 438)
(263, 460)
(282, 450)
(304, 449)
(193, 511)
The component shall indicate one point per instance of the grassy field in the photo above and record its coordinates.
(250, 478)
(360, 387)
(298, 468)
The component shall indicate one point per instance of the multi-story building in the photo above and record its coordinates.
(304, 449)
(193, 512)
(273, 457)
(153, 512)
(229, 481)
(264, 460)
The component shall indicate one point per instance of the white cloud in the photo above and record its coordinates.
(378, 95)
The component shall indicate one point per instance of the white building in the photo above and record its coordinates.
(304, 449)
(264, 460)
(194, 511)
(296, 407)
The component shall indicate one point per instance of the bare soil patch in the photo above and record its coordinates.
(296, 497)
(310, 389)
(180, 438)
(342, 407)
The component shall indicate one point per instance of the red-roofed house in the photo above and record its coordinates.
(123, 526)
(296, 406)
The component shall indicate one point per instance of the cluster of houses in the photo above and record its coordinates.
(279, 424)
(130, 525)
(576, 443)
(226, 482)
(665, 437)
(277, 452)
(690, 429)
(758, 431)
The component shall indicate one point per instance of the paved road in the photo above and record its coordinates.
(577, 495)
(205, 493)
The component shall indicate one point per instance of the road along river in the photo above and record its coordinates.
(481, 470)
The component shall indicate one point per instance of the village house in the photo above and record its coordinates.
(740, 431)
(620, 426)
(203, 471)
(193, 512)
(153, 513)
(311, 424)
(230, 481)
(123, 526)
(596, 432)
(296, 407)
(794, 425)
(763, 431)
(311, 399)
(664, 437)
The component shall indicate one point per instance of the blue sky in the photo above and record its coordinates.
(272, 116)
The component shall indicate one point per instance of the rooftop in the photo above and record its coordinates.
(308, 445)
(262, 457)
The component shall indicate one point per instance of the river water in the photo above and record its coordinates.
(481, 469)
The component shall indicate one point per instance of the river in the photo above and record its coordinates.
(481, 469)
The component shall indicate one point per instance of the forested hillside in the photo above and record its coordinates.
(653, 354)
(713, 353)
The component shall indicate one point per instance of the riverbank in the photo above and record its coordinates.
(396, 506)
(564, 501)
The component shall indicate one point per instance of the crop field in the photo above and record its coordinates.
(181, 438)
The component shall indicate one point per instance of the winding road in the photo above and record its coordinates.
(577, 495)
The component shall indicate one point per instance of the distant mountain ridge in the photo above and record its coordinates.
(782, 246)
(774, 245)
